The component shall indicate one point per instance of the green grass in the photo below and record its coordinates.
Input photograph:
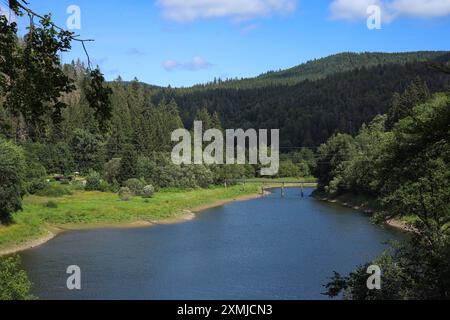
(91, 208)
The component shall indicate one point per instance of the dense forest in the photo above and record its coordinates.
(311, 111)
(321, 68)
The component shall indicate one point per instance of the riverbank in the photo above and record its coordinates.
(364, 204)
(38, 223)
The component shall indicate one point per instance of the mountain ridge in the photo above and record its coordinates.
(322, 67)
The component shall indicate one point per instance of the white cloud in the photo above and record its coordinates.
(352, 10)
(190, 10)
(422, 8)
(196, 63)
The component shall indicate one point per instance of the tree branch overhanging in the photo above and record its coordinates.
(17, 6)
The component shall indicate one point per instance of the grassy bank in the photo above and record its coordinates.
(91, 209)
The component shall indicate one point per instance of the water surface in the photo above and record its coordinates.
(266, 248)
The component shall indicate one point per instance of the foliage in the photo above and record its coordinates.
(12, 174)
(136, 186)
(125, 194)
(309, 112)
(32, 78)
(93, 182)
(87, 151)
(56, 158)
(414, 271)
(408, 170)
(148, 191)
(54, 190)
(111, 170)
(321, 68)
(98, 97)
(35, 175)
(332, 157)
(14, 282)
(403, 104)
(162, 173)
(288, 169)
(128, 164)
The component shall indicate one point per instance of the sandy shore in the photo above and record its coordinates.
(54, 230)
(28, 245)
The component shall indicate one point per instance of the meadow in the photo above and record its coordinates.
(82, 209)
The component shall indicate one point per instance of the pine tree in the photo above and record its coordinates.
(402, 104)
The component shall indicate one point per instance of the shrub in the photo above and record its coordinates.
(36, 175)
(136, 186)
(105, 186)
(51, 204)
(54, 190)
(14, 282)
(35, 185)
(288, 169)
(125, 194)
(148, 191)
(93, 182)
(111, 170)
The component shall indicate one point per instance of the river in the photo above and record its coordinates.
(265, 248)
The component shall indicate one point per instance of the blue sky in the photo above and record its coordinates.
(185, 42)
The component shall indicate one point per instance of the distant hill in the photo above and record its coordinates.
(321, 68)
(310, 105)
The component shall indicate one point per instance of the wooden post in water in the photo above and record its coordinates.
(302, 194)
(282, 191)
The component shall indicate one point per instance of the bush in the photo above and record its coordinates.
(54, 190)
(36, 175)
(105, 186)
(12, 173)
(135, 185)
(124, 194)
(35, 185)
(14, 282)
(51, 204)
(288, 169)
(111, 170)
(148, 191)
(93, 182)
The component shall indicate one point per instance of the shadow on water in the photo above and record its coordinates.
(266, 248)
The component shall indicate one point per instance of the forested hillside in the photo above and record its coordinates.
(320, 68)
(311, 111)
